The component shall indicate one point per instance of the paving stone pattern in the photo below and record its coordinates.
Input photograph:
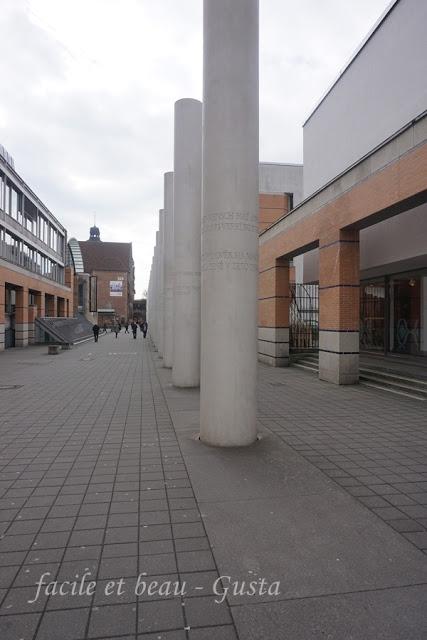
(92, 481)
(373, 444)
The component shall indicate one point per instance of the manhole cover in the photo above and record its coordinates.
(6, 387)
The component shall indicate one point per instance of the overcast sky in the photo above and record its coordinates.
(88, 88)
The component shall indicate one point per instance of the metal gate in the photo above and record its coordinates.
(304, 318)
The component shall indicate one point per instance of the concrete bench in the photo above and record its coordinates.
(53, 349)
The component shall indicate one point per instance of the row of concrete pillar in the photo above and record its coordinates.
(202, 296)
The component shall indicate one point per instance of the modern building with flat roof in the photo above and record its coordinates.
(34, 279)
(280, 190)
(360, 231)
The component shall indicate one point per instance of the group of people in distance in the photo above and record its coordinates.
(116, 327)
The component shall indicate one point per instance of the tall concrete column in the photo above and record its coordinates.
(229, 223)
(168, 272)
(155, 314)
(160, 283)
(187, 222)
(339, 307)
(153, 300)
(149, 314)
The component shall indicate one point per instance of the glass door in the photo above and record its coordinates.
(405, 314)
(373, 315)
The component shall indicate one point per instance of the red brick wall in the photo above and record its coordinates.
(273, 301)
(402, 179)
(339, 276)
(27, 282)
(105, 301)
(399, 180)
(271, 208)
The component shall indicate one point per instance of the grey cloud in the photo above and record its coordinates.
(90, 121)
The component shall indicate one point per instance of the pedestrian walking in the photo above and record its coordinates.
(116, 329)
(95, 330)
(105, 327)
(134, 328)
(127, 327)
(144, 328)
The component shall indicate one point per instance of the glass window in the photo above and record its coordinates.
(18, 252)
(20, 216)
(1, 191)
(14, 204)
(7, 198)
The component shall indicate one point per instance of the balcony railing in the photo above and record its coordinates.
(31, 237)
(11, 254)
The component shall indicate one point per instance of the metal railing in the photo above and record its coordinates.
(304, 318)
(15, 256)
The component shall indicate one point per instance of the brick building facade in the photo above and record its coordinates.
(34, 279)
(360, 231)
(104, 278)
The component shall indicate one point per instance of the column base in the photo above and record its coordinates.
(273, 346)
(339, 356)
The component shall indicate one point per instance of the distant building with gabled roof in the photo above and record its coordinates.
(105, 278)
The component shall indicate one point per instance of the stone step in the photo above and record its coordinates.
(394, 384)
(388, 389)
(386, 375)
(308, 366)
(403, 385)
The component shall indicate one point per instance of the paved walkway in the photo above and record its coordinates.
(101, 476)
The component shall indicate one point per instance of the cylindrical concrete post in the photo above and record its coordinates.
(168, 272)
(229, 223)
(149, 301)
(156, 291)
(160, 285)
(187, 221)
(153, 322)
